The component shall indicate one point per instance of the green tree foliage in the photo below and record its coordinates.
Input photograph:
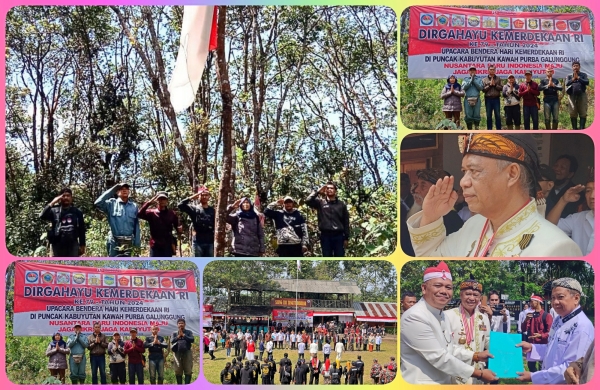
(314, 99)
(518, 279)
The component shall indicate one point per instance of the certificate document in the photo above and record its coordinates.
(508, 359)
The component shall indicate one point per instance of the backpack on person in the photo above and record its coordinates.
(375, 371)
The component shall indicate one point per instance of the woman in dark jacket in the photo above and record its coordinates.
(452, 94)
(57, 352)
(248, 233)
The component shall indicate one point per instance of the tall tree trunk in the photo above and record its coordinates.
(227, 127)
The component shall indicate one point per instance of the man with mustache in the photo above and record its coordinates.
(499, 176)
(469, 327)
(428, 353)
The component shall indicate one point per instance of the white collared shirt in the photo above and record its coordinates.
(567, 343)
(580, 227)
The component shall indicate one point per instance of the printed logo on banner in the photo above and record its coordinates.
(533, 24)
(48, 277)
(138, 281)
(547, 24)
(109, 280)
(518, 23)
(458, 20)
(575, 25)
(504, 22)
(180, 282)
(166, 282)
(560, 25)
(79, 278)
(94, 279)
(32, 277)
(63, 278)
(124, 281)
(152, 281)
(474, 21)
(426, 19)
(489, 22)
(442, 19)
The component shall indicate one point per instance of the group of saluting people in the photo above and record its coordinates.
(513, 93)
(67, 234)
(72, 354)
(453, 346)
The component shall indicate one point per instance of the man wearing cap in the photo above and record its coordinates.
(492, 88)
(203, 220)
(425, 179)
(546, 180)
(134, 349)
(577, 83)
(116, 360)
(181, 345)
(290, 226)
(498, 177)
(77, 343)
(579, 226)
(570, 336)
(472, 85)
(512, 104)
(550, 86)
(334, 220)
(67, 235)
(470, 328)
(162, 222)
(428, 354)
(529, 92)
(536, 327)
(122, 219)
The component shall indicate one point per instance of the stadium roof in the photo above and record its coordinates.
(376, 311)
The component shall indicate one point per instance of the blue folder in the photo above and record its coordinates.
(508, 359)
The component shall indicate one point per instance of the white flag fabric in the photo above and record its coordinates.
(191, 58)
(298, 263)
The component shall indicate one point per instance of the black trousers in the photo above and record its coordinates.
(266, 380)
(315, 377)
(117, 373)
(290, 250)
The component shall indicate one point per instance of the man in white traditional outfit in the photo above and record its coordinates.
(571, 335)
(428, 354)
(499, 174)
(470, 328)
(522, 315)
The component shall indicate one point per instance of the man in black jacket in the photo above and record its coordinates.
(181, 345)
(334, 220)
(67, 236)
(203, 220)
(564, 168)
(156, 345)
(282, 364)
(576, 84)
(361, 368)
(227, 375)
(246, 374)
(265, 372)
(290, 226)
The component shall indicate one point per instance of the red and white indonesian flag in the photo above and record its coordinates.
(198, 38)
(52, 298)
(445, 40)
